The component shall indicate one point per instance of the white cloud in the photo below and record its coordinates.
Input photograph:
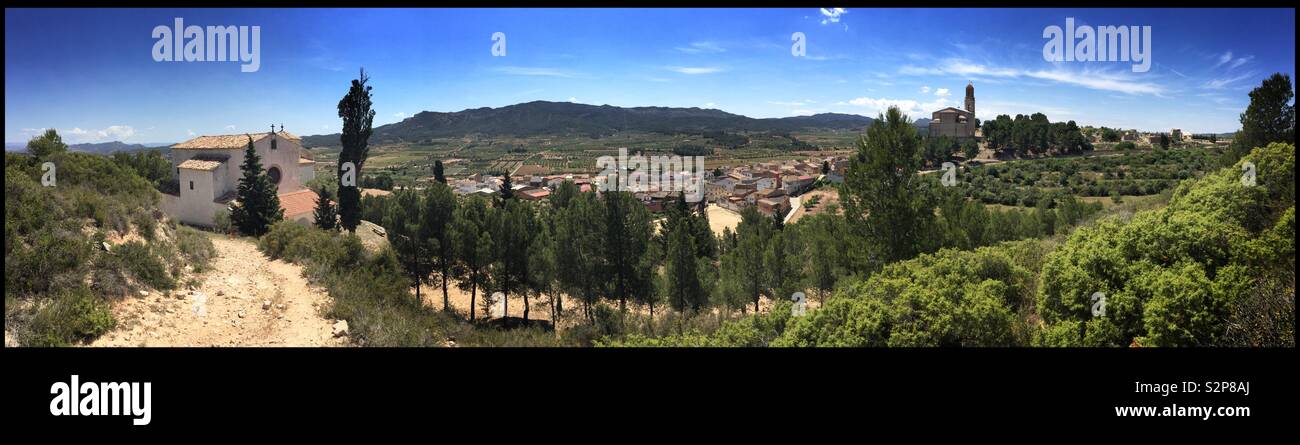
(797, 103)
(802, 112)
(990, 109)
(1092, 79)
(400, 115)
(942, 92)
(710, 105)
(573, 99)
(1223, 58)
(913, 108)
(532, 71)
(1240, 61)
(116, 132)
(190, 132)
(701, 47)
(694, 69)
(925, 89)
(832, 15)
(79, 135)
(230, 128)
(1225, 82)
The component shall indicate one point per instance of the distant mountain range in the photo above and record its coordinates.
(99, 148)
(110, 147)
(565, 118)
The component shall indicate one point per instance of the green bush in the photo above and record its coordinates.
(1175, 276)
(143, 262)
(196, 249)
(950, 298)
(70, 316)
(752, 331)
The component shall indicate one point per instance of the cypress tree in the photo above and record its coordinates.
(358, 118)
(438, 173)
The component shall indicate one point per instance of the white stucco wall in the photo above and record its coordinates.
(195, 206)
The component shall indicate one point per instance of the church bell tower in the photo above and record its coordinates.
(970, 98)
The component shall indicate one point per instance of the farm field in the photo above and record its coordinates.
(547, 155)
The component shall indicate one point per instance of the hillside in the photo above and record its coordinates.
(564, 118)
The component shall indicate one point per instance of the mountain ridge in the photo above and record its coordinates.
(538, 118)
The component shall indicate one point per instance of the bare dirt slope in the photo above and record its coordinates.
(244, 300)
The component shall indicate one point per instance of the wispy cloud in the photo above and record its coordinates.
(995, 108)
(832, 15)
(797, 103)
(694, 69)
(190, 132)
(1240, 61)
(942, 92)
(400, 115)
(1223, 58)
(1226, 82)
(913, 108)
(1091, 79)
(1227, 59)
(533, 71)
(701, 47)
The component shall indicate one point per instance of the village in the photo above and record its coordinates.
(773, 187)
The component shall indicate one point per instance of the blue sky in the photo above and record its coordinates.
(91, 75)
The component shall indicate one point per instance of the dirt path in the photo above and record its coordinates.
(244, 300)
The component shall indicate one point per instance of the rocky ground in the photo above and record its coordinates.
(244, 300)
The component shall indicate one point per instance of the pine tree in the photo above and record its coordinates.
(888, 206)
(435, 226)
(46, 144)
(402, 220)
(471, 239)
(326, 214)
(259, 206)
(1270, 117)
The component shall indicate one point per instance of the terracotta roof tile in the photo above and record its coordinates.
(297, 203)
(200, 164)
(227, 141)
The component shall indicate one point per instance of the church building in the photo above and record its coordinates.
(207, 169)
(954, 122)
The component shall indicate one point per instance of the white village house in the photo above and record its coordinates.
(207, 170)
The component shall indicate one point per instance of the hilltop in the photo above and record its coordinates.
(565, 118)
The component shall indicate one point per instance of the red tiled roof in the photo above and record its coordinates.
(228, 141)
(535, 194)
(297, 203)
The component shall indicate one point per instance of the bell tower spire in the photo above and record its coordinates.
(970, 97)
